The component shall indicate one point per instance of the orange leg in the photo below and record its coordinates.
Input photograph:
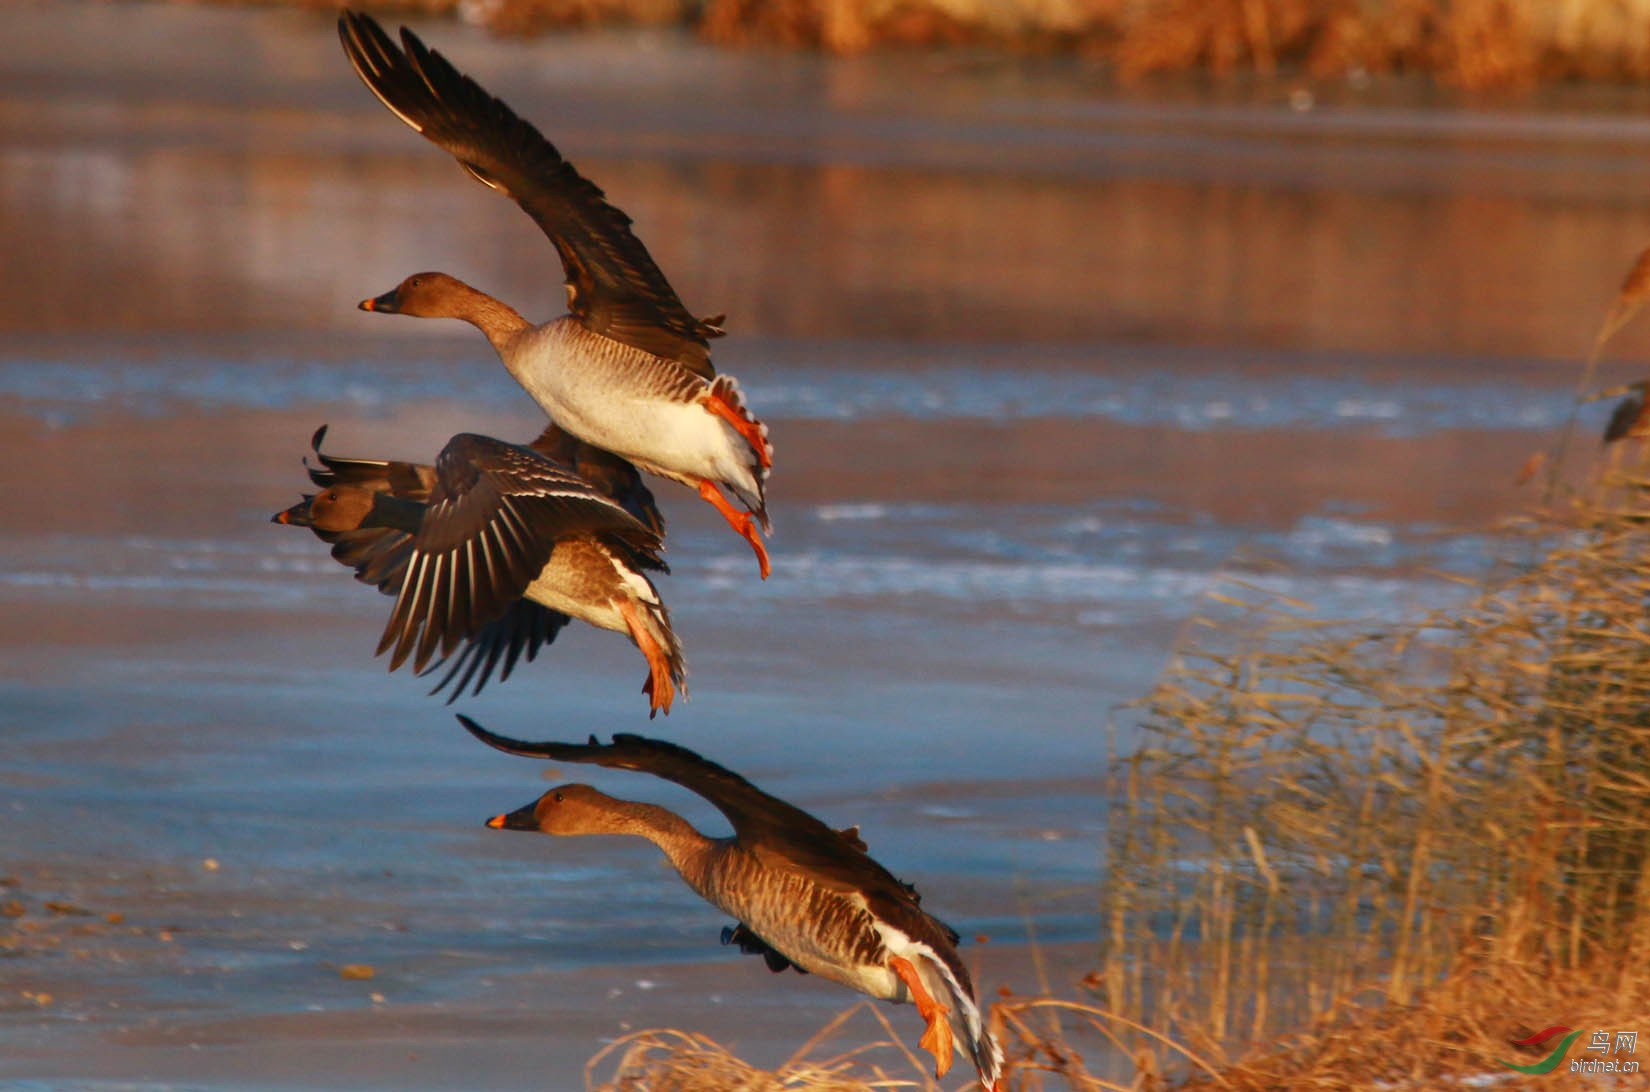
(937, 1038)
(744, 425)
(659, 689)
(740, 521)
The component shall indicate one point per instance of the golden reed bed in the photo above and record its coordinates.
(1465, 43)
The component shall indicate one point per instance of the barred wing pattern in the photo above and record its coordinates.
(495, 514)
(614, 286)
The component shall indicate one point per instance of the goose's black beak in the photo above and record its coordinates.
(386, 304)
(296, 516)
(520, 819)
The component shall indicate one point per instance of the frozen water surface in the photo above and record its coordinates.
(1044, 365)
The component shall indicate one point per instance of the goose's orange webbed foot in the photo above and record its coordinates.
(936, 1038)
(653, 705)
(742, 522)
(659, 689)
(743, 423)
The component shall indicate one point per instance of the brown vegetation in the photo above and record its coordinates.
(525, 17)
(666, 1060)
(1422, 842)
(1466, 43)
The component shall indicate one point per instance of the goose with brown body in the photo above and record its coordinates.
(495, 548)
(801, 890)
(628, 367)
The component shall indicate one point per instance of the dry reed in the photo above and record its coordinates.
(1401, 827)
(668, 1060)
(1467, 43)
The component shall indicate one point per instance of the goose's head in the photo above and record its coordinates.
(340, 508)
(569, 809)
(425, 295)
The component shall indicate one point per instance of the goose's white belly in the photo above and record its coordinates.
(613, 396)
(603, 614)
(588, 583)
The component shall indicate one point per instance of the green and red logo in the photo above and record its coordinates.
(1551, 1061)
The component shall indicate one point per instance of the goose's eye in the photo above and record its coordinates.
(557, 797)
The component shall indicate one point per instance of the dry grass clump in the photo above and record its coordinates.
(537, 16)
(849, 26)
(668, 1060)
(1452, 1037)
(1049, 1043)
(1472, 43)
(1401, 830)
(523, 17)
(1417, 842)
(1466, 43)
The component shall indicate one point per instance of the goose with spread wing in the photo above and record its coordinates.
(495, 548)
(802, 891)
(628, 367)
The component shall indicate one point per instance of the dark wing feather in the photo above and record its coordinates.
(495, 515)
(380, 556)
(412, 481)
(614, 475)
(751, 944)
(524, 628)
(614, 287)
(780, 834)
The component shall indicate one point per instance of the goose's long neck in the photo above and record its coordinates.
(495, 318)
(690, 852)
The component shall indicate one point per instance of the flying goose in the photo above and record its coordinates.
(800, 890)
(628, 368)
(494, 548)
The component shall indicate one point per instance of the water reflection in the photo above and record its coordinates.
(276, 217)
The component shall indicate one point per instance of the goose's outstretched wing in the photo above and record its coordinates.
(523, 629)
(381, 546)
(613, 285)
(411, 481)
(495, 514)
(780, 834)
(612, 474)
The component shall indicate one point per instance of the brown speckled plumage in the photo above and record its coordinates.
(628, 368)
(808, 892)
(490, 552)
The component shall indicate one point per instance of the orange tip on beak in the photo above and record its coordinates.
(497, 821)
(365, 305)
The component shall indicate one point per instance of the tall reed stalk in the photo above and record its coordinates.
(1324, 815)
